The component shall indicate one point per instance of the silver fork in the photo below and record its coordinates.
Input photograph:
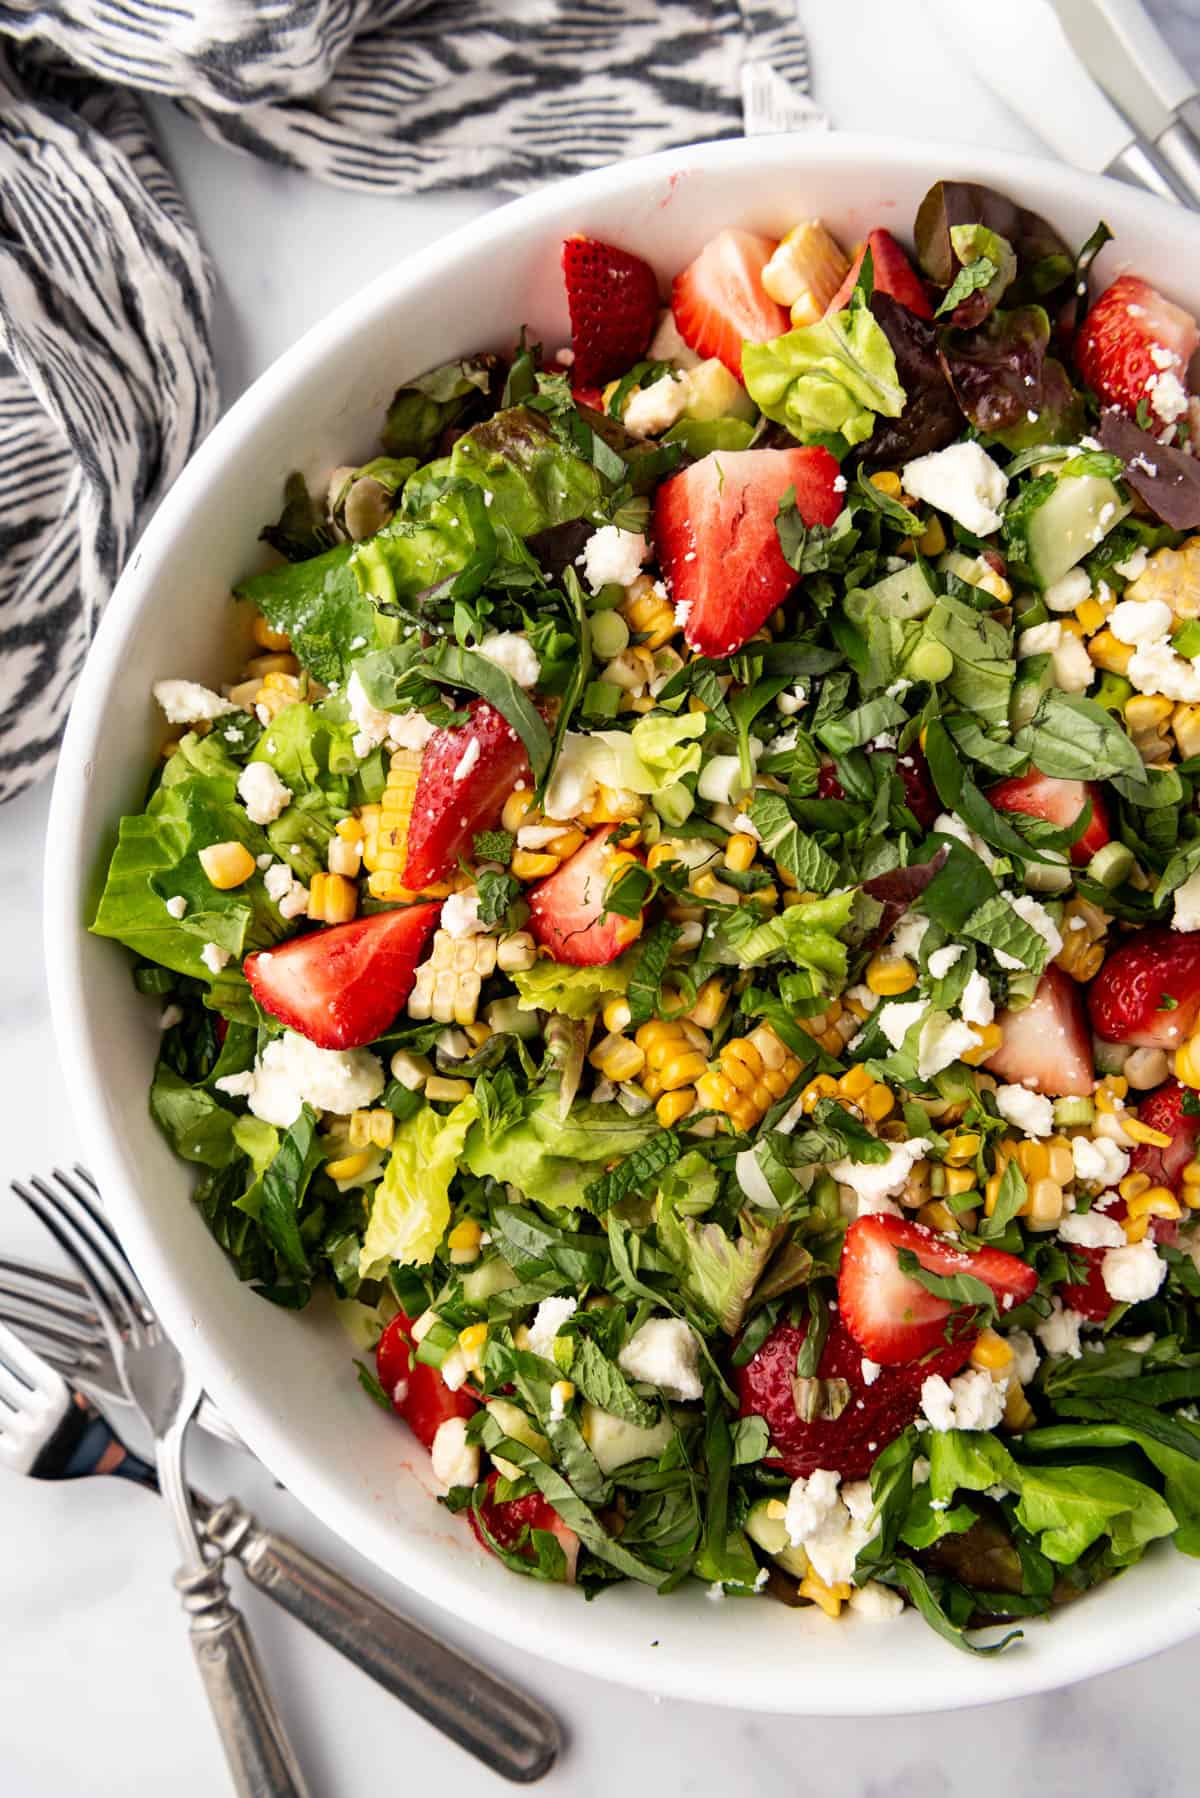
(507, 1730)
(260, 1757)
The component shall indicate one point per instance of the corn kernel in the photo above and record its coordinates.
(332, 899)
(561, 1394)
(740, 851)
(1187, 1062)
(265, 637)
(675, 1105)
(260, 666)
(516, 952)
(878, 1103)
(937, 1216)
(472, 1338)
(889, 975)
(227, 865)
(963, 1148)
(991, 1036)
(438, 1088)
(372, 1129)
(991, 1353)
(829, 1598)
(347, 1167)
(1091, 615)
(710, 1003)
(933, 542)
(958, 1179)
(887, 481)
(617, 1058)
(1140, 1132)
(1109, 653)
(1018, 1412)
(344, 857)
(528, 864)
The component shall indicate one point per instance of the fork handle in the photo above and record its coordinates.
(252, 1734)
(505, 1729)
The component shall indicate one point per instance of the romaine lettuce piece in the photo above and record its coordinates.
(410, 1208)
(552, 1159)
(421, 410)
(573, 992)
(717, 1271)
(832, 376)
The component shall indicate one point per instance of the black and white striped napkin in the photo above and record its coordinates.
(106, 374)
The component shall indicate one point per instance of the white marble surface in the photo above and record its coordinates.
(97, 1694)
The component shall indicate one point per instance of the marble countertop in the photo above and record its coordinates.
(98, 1696)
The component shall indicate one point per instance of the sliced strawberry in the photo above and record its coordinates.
(512, 1521)
(1046, 1045)
(714, 528)
(1130, 998)
(1087, 1295)
(1163, 1110)
(612, 298)
(342, 986)
(418, 1393)
(467, 773)
(591, 397)
(893, 274)
(873, 1416)
(566, 910)
(1059, 802)
(719, 300)
(891, 1315)
(1130, 340)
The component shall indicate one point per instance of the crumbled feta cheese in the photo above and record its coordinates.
(942, 960)
(943, 1040)
(1025, 1355)
(970, 1401)
(1186, 912)
(656, 408)
(289, 894)
(896, 1019)
(237, 1086)
(907, 936)
(1137, 621)
(214, 957)
(1134, 1272)
(1040, 639)
(666, 1353)
(613, 555)
(791, 701)
(558, 1402)
(548, 1320)
(870, 1371)
(187, 702)
(821, 1521)
(1069, 591)
(514, 653)
(1133, 565)
(977, 1005)
(460, 914)
(921, 1470)
(962, 481)
(1091, 1230)
(1156, 668)
(1059, 1332)
(169, 1016)
(876, 1602)
(871, 1180)
(1074, 670)
(262, 792)
(947, 825)
(292, 1072)
(455, 1460)
(1168, 398)
(467, 760)
(177, 905)
(1030, 1112)
(373, 725)
(409, 730)
(1098, 1160)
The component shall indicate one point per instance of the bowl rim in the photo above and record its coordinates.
(1085, 1654)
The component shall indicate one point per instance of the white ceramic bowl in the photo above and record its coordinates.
(286, 1381)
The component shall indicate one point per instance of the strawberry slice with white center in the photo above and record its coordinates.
(612, 298)
(417, 1391)
(566, 910)
(714, 531)
(891, 1316)
(1163, 1110)
(509, 1523)
(892, 273)
(719, 301)
(1058, 802)
(1134, 347)
(342, 986)
(467, 772)
(1148, 991)
(1046, 1045)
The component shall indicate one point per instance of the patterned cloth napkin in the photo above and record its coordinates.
(106, 373)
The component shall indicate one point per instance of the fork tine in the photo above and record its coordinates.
(91, 1202)
(29, 1290)
(70, 1291)
(30, 1319)
(105, 1291)
(107, 1242)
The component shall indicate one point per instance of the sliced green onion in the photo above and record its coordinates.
(1073, 1111)
(610, 634)
(674, 805)
(608, 599)
(438, 1342)
(601, 698)
(1112, 692)
(1048, 877)
(929, 661)
(1186, 641)
(1111, 865)
(1033, 615)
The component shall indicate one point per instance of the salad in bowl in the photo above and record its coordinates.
(689, 922)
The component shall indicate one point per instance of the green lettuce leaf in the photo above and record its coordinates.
(803, 934)
(195, 1123)
(717, 1271)
(534, 480)
(421, 410)
(552, 1160)
(410, 1208)
(310, 751)
(572, 992)
(321, 607)
(832, 376)
(157, 858)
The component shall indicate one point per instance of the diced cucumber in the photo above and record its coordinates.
(1070, 1111)
(1048, 877)
(771, 1535)
(1186, 641)
(1035, 676)
(1111, 864)
(701, 436)
(1055, 523)
(514, 1423)
(483, 1281)
(614, 1442)
(712, 392)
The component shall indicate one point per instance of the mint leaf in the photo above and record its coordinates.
(996, 925)
(496, 894)
(800, 855)
(494, 845)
